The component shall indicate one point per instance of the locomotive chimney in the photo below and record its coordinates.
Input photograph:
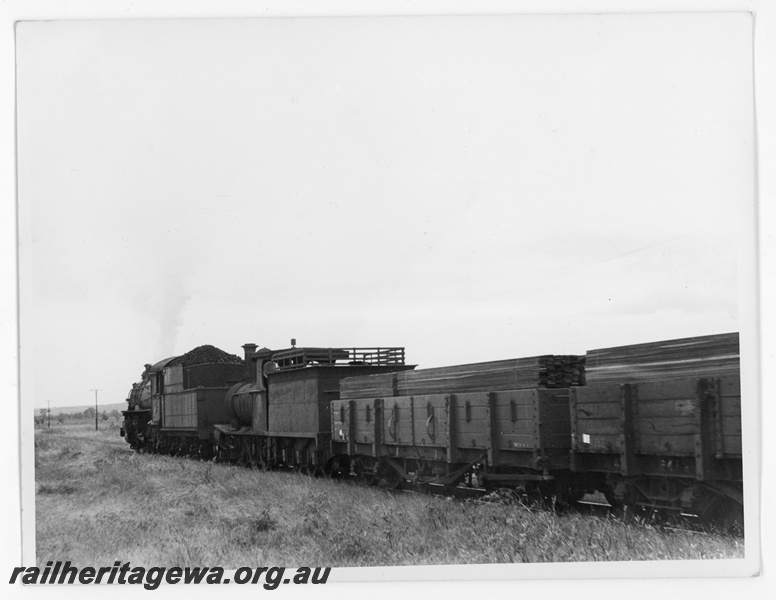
(250, 351)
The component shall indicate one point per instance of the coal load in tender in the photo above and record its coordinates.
(548, 371)
(707, 356)
(205, 355)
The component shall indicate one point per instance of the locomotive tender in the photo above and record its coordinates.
(646, 428)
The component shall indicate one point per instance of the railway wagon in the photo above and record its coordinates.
(506, 438)
(281, 416)
(671, 444)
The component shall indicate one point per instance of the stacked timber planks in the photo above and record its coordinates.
(549, 371)
(369, 386)
(706, 356)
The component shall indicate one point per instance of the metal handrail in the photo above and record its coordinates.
(297, 358)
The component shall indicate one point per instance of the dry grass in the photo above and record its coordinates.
(98, 502)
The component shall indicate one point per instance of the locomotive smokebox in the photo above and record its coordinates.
(241, 401)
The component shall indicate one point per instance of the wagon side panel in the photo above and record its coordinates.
(470, 422)
(429, 418)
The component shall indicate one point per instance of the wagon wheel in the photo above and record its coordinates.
(309, 469)
(569, 498)
(389, 477)
(393, 480)
(206, 451)
(573, 496)
(533, 495)
(328, 469)
(450, 490)
(364, 474)
(335, 468)
(611, 498)
(724, 514)
(625, 509)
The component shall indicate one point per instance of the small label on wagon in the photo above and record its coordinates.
(585, 438)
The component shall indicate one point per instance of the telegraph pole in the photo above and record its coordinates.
(49, 414)
(96, 411)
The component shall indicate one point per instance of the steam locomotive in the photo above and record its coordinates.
(654, 425)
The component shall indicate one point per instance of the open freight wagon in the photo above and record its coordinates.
(673, 445)
(659, 426)
(505, 423)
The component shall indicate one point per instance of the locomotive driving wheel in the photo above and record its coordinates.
(263, 457)
(253, 455)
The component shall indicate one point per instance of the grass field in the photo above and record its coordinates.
(97, 501)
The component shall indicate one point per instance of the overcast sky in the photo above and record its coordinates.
(471, 188)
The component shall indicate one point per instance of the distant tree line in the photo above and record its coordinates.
(85, 415)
